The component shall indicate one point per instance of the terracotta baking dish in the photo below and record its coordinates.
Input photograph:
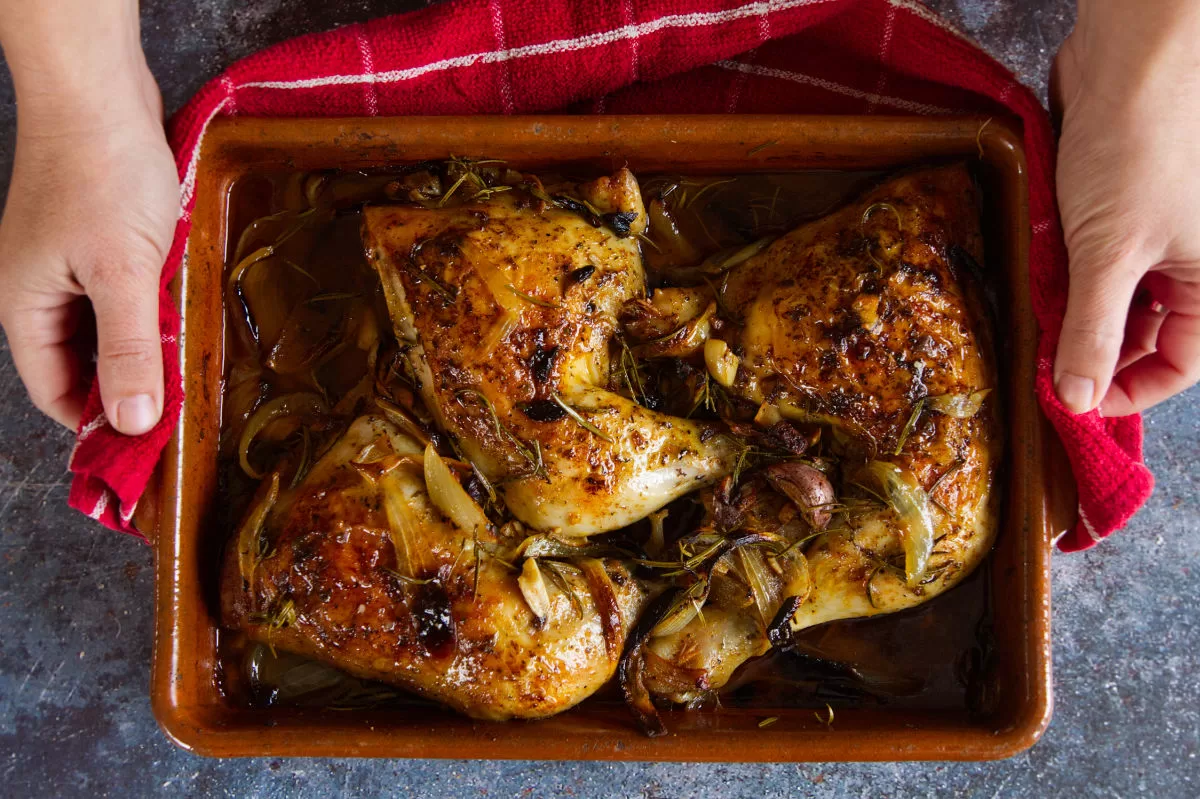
(185, 694)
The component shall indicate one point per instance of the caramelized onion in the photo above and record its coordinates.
(301, 404)
(448, 495)
(682, 610)
(912, 506)
(309, 338)
(548, 546)
(672, 247)
(631, 671)
(763, 587)
(960, 406)
(727, 259)
(400, 417)
(251, 528)
(409, 535)
(683, 342)
(604, 597)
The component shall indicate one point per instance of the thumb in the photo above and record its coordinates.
(1098, 300)
(129, 346)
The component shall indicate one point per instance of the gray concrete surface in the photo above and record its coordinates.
(75, 600)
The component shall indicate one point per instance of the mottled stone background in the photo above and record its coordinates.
(75, 600)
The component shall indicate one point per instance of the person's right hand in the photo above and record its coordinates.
(90, 216)
(1128, 81)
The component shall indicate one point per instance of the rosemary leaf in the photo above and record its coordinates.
(584, 423)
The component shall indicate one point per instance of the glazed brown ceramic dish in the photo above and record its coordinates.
(185, 688)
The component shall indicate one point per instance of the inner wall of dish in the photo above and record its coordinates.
(940, 656)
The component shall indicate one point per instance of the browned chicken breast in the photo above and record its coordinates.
(867, 320)
(357, 567)
(509, 306)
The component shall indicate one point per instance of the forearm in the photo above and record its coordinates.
(76, 61)
(1131, 48)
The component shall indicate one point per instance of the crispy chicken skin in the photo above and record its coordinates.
(341, 584)
(510, 306)
(862, 320)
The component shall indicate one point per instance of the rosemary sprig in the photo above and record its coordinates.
(910, 425)
(873, 494)
(553, 569)
(647, 240)
(705, 397)
(584, 423)
(631, 372)
(873, 207)
(529, 297)
(453, 188)
(476, 552)
(330, 296)
(467, 171)
(280, 616)
(723, 309)
(798, 543)
(301, 270)
(405, 578)
(531, 453)
(700, 192)
(305, 456)
(486, 194)
(688, 561)
(979, 136)
(447, 293)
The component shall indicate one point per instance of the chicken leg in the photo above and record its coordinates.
(870, 321)
(508, 307)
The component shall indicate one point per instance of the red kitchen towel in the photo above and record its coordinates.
(638, 56)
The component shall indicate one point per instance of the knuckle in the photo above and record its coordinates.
(43, 397)
(123, 265)
(129, 353)
(40, 399)
(1091, 337)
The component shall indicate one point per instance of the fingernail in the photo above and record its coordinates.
(136, 415)
(1076, 392)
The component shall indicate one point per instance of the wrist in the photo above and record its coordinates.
(77, 62)
(1128, 51)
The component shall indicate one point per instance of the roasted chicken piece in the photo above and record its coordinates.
(868, 320)
(508, 306)
(357, 567)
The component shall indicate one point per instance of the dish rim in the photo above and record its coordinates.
(1039, 497)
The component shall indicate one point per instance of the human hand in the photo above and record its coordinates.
(1128, 81)
(90, 216)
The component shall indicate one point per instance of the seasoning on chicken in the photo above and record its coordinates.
(509, 308)
(869, 322)
(359, 567)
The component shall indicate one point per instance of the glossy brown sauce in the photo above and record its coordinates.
(934, 656)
